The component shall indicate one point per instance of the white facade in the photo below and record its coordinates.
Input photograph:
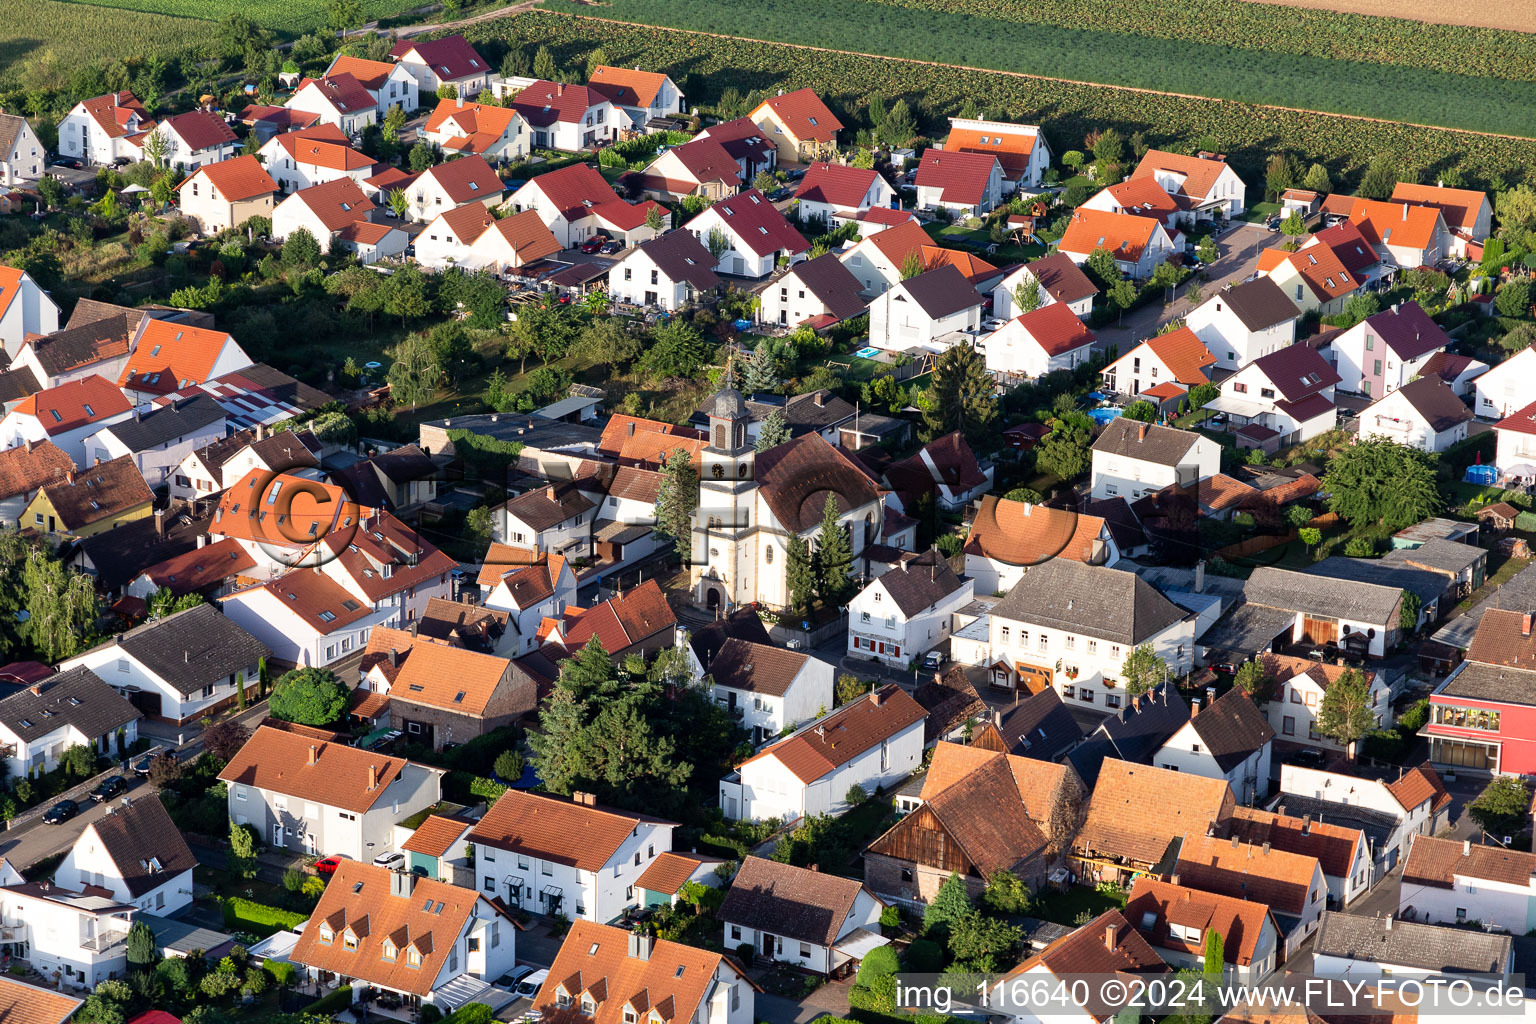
(1516, 450)
(803, 953)
(89, 863)
(25, 308)
(290, 638)
(1250, 396)
(1186, 752)
(1367, 365)
(879, 193)
(937, 197)
(323, 830)
(41, 754)
(82, 938)
(1293, 711)
(311, 99)
(879, 629)
(1120, 476)
(1003, 306)
(1494, 903)
(1014, 352)
(1394, 418)
(293, 174)
(1505, 389)
(788, 302)
(429, 197)
(739, 258)
(897, 322)
(637, 280)
(125, 674)
(526, 620)
(1229, 339)
(156, 464)
(767, 714)
(185, 156)
(27, 157)
(81, 135)
(1368, 793)
(871, 266)
(598, 896)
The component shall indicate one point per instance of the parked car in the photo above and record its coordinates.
(933, 659)
(1306, 758)
(67, 161)
(531, 984)
(510, 980)
(394, 860)
(593, 244)
(780, 194)
(141, 766)
(327, 865)
(61, 812)
(611, 246)
(109, 788)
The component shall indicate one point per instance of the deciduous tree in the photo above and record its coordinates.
(1345, 713)
(1503, 806)
(309, 696)
(1144, 671)
(1380, 481)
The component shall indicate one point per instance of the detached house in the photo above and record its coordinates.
(799, 124)
(1402, 234)
(96, 340)
(1280, 399)
(80, 936)
(1515, 455)
(642, 96)
(1138, 815)
(25, 309)
(1504, 390)
(1132, 460)
(768, 689)
(879, 260)
(390, 85)
(567, 117)
(1290, 884)
(22, 155)
(819, 292)
(1244, 322)
(435, 63)
(1229, 740)
(1424, 414)
(315, 156)
(1107, 945)
(1314, 278)
(756, 234)
(196, 138)
(62, 710)
(1204, 183)
(967, 184)
(105, 129)
(1466, 213)
(817, 922)
(91, 501)
(323, 797)
(337, 99)
(328, 211)
(556, 518)
(496, 133)
(667, 272)
(872, 743)
(929, 312)
(1138, 243)
(1057, 279)
(638, 622)
(1450, 881)
(1176, 920)
(170, 356)
(23, 470)
(553, 856)
(577, 203)
(945, 468)
(907, 610)
(1008, 538)
(1039, 342)
(137, 854)
(703, 168)
(1178, 357)
(1143, 197)
(225, 195)
(1385, 351)
(66, 416)
(441, 694)
(455, 183)
(1019, 148)
(830, 189)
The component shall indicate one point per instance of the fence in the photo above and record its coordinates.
(1254, 545)
(77, 793)
(814, 637)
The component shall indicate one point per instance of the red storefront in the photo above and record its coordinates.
(1483, 718)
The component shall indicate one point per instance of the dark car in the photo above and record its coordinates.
(67, 161)
(61, 812)
(611, 246)
(593, 244)
(122, 161)
(141, 765)
(780, 194)
(1306, 758)
(109, 788)
(796, 174)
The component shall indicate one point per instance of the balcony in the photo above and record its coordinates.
(104, 942)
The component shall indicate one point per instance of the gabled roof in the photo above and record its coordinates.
(450, 57)
(1056, 329)
(340, 90)
(1259, 304)
(460, 623)
(627, 87)
(1105, 945)
(574, 189)
(941, 291)
(75, 404)
(619, 622)
(202, 567)
(1123, 234)
(1418, 786)
(320, 771)
(1408, 330)
(836, 184)
(1229, 867)
(319, 601)
(708, 160)
(670, 871)
(1400, 224)
(918, 582)
(1522, 421)
(75, 697)
(1334, 846)
(1438, 949)
(467, 222)
(682, 257)
(1339, 599)
(1012, 144)
(115, 111)
(950, 700)
(1040, 726)
(88, 342)
(545, 103)
(384, 556)
(1198, 175)
(468, 179)
(1231, 729)
(832, 283)
(757, 224)
(1184, 354)
(21, 1003)
(804, 115)
(1036, 782)
(27, 467)
(797, 477)
(1019, 533)
(1061, 278)
(436, 674)
(1323, 271)
(1349, 245)
(755, 667)
(1110, 604)
(580, 835)
(1438, 862)
(200, 129)
(336, 203)
(192, 649)
(900, 241)
(372, 74)
(1155, 907)
(961, 175)
(100, 492)
(1504, 637)
(1459, 206)
(165, 423)
(546, 507)
(1297, 371)
(798, 903)
(1137, 811)
(1433, 399)
(526, 233)
(1145, 198)
(171, 355)
(435, 836)
(143, 843)
(821, 746)
(742, 139)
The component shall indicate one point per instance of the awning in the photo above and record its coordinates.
(515, 887)
(859, 943)
(1234, 406)
(552, 895)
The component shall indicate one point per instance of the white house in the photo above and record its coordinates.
(1143, 197)
(1291, 884)
(529, 585)
(22, 154)
(1343, 851)
(964, 183)
(641, 96)
(1133, 459)
(1515, 454)
(304, 617)
(159, 439)
(817, 922)
(218, 466)
(577, 203)
(468, 180)
(69, 708)
(828, 189)
(929, 312)
(768, 689)
(25, 308)
(945, 468)
(169, 357)
(496, 133)
(337, 99)
(322, 210)
(1424, 414)
(568, 117)
(1505, 389)
(1467, 214)
(872, 743)
(1298, 697)
(1244, 322)
(1020, 149)
(1280, 399)
(450, 61)
(1449, 881)
(1229, 740)
(879, 260)
(66, 415)
(667, 272)
(322, 797)
(820, 291)
(226, 195)
(81, 935)
(756, 235)
(705, 168)
(105, 129)
(1414, 805)
(1175, 921)
(1385, 351)
(137, 854)
(390, 85)
(1178, 356)
(556, 518)
(1205, 182)
(1038, 342)
(1106, 945)
(1009, 538)
(906, 610)
(196, 138)
(179, 668)
(1138, 243)
(1403, 234)
(314, 156)
(552, 856)
(1056, 279)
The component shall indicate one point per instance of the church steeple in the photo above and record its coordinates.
(728, 419)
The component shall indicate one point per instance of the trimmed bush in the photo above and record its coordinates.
(257, 918)
(333, 1003)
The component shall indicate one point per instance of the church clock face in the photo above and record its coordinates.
(719, 471)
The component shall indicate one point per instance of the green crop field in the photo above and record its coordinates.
(81, 34)
(289, 17)
(705, 66)
(1391, 92)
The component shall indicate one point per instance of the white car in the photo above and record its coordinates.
(529, 986)
(392, 859)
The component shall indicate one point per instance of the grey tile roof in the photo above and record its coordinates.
(1343, 599)
(1477, 681)
(1260, 304)
(166, 423)
(1377, 825)
(1143, 725)
(1518, 592)
(1426, 585)
(1232, 728)
(1149, 442)
(76, 697)
(1444, 555)
(1435, 948)
(194, 648)
(920, 582)
(942, 291)
(1040, 726)
(1436, 402)
(834, 284)
(1247, 629)
(755, 668)
(1110, 604)
(144, 843)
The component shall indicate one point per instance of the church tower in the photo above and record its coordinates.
(723, 537)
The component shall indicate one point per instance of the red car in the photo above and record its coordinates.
(593, 244)
(328, 865)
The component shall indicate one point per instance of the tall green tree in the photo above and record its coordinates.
(1144, 671)
(1503, 806)
(1317, 179)
(799, 573)
(1345, 713)
(676, 500)
(394, 120)
(1026, 294)
(1064, 451)
(142, 950)
(15, 550)
(762, 371)
(1101, 264)
(964, 395)
(61, 607)
(1380, 178)
(949, 905)
(1253, 679)
(544, 64)
(898, 126)
(240, 859)
(416, 371)
(1282, 172)
(344, 14)
(834, 556)
(1381, 481)
(772, 432)
(309, 696)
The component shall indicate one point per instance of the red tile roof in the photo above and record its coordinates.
(1334, 846)
(1056, 329)
(962, 176)
(75, 404)
(436, 674)
(310, 769)
(820, 746)
(1126, 235)
(757, 225)
(1349, 245)
(1018, 533)
(200, 129)
(468, 179)
(804, 116)
(323, 145)
(1184, 354)
(450, 57)
(708, 160)
(544, 103)
(836, 185)
(1420, 785)
(282, 510)
(1144, 197)
(336, 203)
(1522, 422)
(27, 467)
(1229, 867)
(114, 111)
(371, 74)
(1459, 206)
(1400, 224)
(240, 178)
(1324, 272)
(341, 91)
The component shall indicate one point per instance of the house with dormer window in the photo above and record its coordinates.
(757, 235)
(137, 854)
(70, 708)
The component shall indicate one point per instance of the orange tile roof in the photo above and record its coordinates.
(1126, 235)
(1184, 354)
(27, 467)
(804, 116)
(667, 873)
(1240, 923)
(505, 558)
(628, 87)
(898, 242)
(649, 448)
(240, 178)
(526, 234)
(1166, 390)
(75, 404)
(1271, 258)
(1459, 206)
(972, 266)
(336, 203)
(367, 705)
(1334, 846)
(1276, 878)
(467, 222)
(170, 356)
(1137, 811)
(371, 74)
(1323, 271)
(282, 510)
(279, 762)
(1021, 534)
(1401, 224)
(820, 746)
(436, 835)
(1037, 780)
(324, 145)
(1012, 149)
(467, 119)
(594, 959)
(10, 286)
(1199, 175)
(467, 180)
(1144, 197)
(439, 675)
(114, 110)
(201, 567)
(21, 1003)
(583, 836)
(621, 426)
(1420, 785)
(383, 556)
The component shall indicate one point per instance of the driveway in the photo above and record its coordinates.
(829, 1000)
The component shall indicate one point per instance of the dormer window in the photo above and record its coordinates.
(629, 1015)
(349, 939)
(326, 934)
(389, 951)
(588, 1007)
(412, 956)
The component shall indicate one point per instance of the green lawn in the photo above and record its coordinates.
(1261, 211)
(1066, 907)
(960, 236)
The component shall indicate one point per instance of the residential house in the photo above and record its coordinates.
(1244, 322)
(1040, 726)
(446, 240)
(1008, 538)
(265, 121)
(768, 689)
(105, 129)
(1137, 814)
(1105, 946)
(455, 183)
(1514, 452)
(530, 585)
(1502, 391)
(907, 610)
(799, 124)
(227, 194)
(306, 618)
(23, 470)
(65, 709)
(389, 932)
(496, 133)
(1357, 254)
(871, 743)
(114, 558)
(440, 694)
(880, 260)
(1228, 740)
(391, 85)
(1133, 459)
(1315, 279)
(170, 356)
(1424, 414)
(218, 660)
(1133, 733)
(1205, 183)
(1144, 197)
(1177, 920)
(79, 935)
(668, 272)
(638, 622)
(96, 340)
(1459, 882)
(196, 138)
(1389, 813)
(65, 416)
(221, 464)
(944, 469)
(337, 99)
(313, 156)
(385, 564)
(1179, 357)
(1480, 716)
(1466, 213)
(703, 168)
(755, 234)
(1039, 342)
(323, 797)
(954, 706)
(470, 626)
(1055, 279)
(1343, 852)
(746, 143)
(1387, 350)
(949, 831)
(212, 570)
(259, 395)
(829, 189)
(817, 922)
(502, 245)
(1290, 884)
(1362, 618)
(1462, 567)
(568, 117)
(556, 518)
(965, 183)
(22, 155)
(157, 441)
(577, 203)
(90, 501)
(1020, 148)
(25, 309)
(1138, 243)
(929, 312)
(553, 856)
(1374, 947)
(449, 60)
(817, 292)
(1279, 399)
(137, 854)
(400, 479)
(642, 96)
(611, 973)
(1402, 234)
(322, 210)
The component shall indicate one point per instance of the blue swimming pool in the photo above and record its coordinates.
(742, 325)
(867, 352)
(1103, 415)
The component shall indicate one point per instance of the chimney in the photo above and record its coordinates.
(1405, 211)
(401, 883)
(1111, 932)
(639, 946)
(820, 399)
(1200, 576)
(1194, 707)
(549, 492)
(1266, 847)
(877, 698)
(202, 540)
(36, 689)
(1141, 432)
(160, 523)
(997, 717)
(461, 99)
(1466, 847)
(186, 657)
(314, 753)
(560, 90)
(394, 658)
(1174, 880)
(1389, 922)
(1525, 624)
(69, 477)
(1306, 824)
(1210, 694)
(373, 777)
(1234, 842)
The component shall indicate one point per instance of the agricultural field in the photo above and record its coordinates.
(288, 17)
(80, 34)
(705, 66)
(1390, 92)
(1506, 14)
